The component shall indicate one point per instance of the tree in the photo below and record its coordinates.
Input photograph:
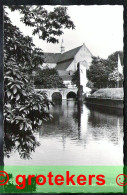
(47, 25)
(89, 84)
(24, 108)
(102, 72)
(112, 60)
(112, 66)
(48, 78)
(115, 77)
(98, 73)
(75, 78)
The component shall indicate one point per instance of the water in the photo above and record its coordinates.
(77, 135)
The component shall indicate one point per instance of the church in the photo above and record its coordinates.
(66, 62)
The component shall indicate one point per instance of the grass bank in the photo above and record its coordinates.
(112, 93)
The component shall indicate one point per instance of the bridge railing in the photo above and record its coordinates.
(69, 87)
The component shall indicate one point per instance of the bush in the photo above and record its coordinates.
(48, 78)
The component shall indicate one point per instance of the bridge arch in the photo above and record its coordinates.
(71, 94)
(56, 96)
(63, 93)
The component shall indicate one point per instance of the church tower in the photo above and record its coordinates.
(62, 47)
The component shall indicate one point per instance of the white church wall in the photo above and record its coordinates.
(82, 54)
(72, 66)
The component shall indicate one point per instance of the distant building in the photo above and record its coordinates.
(66, 62)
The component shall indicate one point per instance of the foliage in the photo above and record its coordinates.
(75, 78)
(112, 60)
(25, 108)
(48, 78)
(115, 77)
(89, 84)
(98, 73)
(101, 71)
(47, 25)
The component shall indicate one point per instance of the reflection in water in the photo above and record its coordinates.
(77, 135)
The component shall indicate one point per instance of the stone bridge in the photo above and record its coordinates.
(65, 93)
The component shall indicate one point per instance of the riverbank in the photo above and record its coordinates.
(112, 93)
(108, 97)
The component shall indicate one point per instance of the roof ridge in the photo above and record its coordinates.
(69, 54)
(72, 49)
(64, 52)
(87, 49)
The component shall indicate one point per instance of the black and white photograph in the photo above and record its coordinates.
(63, 85)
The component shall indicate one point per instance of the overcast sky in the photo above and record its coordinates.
(99, 27)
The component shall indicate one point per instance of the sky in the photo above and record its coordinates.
(99, 27)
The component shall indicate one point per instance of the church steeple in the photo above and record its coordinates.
(62, 47)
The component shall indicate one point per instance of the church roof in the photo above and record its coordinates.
(63, 65)
(51, 57)
(66, 58)
(62, 60)
(69, 54)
